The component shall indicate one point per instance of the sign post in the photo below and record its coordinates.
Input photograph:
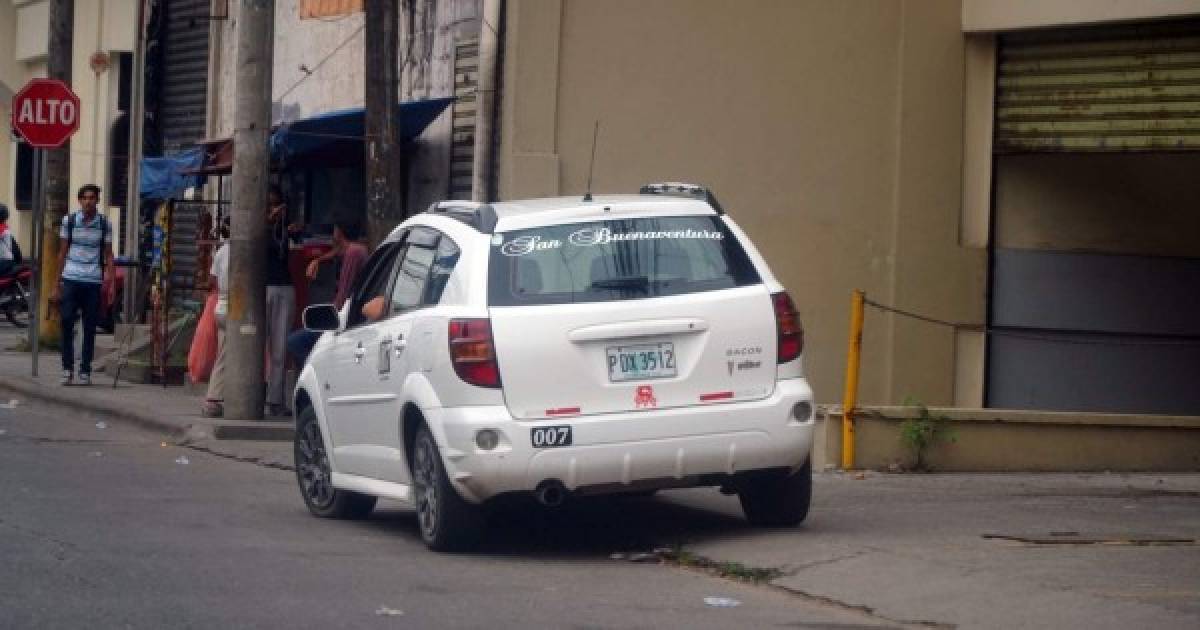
(45, 113)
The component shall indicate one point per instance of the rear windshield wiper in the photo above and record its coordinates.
(623, 282)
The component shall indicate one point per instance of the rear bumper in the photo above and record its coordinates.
(669, 447)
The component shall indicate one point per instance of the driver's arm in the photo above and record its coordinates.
(374, 309)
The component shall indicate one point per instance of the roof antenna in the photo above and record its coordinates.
(587, 196)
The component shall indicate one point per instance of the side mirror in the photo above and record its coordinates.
(321, 317)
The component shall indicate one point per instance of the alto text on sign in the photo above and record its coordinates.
(46, 113)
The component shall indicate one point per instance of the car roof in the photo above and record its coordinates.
(527, 213)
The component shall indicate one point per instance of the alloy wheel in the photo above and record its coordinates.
(425, 487)
(313, 467)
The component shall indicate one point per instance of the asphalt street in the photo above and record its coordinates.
(106, 526)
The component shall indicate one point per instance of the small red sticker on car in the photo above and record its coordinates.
(644, 397)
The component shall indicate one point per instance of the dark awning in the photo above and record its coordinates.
(330, 139)
(335, 136)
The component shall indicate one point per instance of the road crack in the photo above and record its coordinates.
(767, 576)
(263, 462)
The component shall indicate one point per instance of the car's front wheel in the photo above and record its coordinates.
(777, 499)
(315, 478)
(447, 522)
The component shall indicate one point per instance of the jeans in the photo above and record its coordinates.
(281, 308)
(79, 297)
(300, 343)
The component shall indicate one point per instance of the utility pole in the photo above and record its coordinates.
(57, 171)
(485, 101)
(246, 321)
(133, 213)
(386, 189)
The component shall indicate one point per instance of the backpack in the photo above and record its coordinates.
(73, 219)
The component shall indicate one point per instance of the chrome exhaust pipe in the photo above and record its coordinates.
(551, 493)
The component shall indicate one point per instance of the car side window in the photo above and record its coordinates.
(443, 265)
(373, 281)
(412, 272)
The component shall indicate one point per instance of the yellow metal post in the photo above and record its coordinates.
(850, 399)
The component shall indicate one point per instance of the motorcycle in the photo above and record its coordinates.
(14, 296)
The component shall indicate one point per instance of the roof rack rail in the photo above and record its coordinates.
(480, 216)
(683, 189)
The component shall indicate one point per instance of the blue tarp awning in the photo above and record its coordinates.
(164, 178)
(333, 139)
(332, 134)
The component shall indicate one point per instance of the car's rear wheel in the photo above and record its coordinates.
(447, 522)
(777, 499)
(314, 475)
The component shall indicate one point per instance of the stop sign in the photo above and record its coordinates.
(45, 112)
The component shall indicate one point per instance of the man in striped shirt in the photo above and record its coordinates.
(84, 257)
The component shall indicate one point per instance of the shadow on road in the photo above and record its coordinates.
(585, 527)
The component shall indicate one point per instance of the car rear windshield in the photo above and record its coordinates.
(616, 260)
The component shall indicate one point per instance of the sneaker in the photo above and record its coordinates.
(212, 409)
(67, 377)
(85, 378)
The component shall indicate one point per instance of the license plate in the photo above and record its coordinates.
(550, 437)
(641, 362)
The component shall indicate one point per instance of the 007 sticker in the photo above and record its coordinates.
(550, 437)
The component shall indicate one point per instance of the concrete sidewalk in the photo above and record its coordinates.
(974, 550)
(173, 409)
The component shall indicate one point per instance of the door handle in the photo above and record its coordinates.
(385, 359)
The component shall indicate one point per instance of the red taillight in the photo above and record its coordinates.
(473, 353)
(788, 328)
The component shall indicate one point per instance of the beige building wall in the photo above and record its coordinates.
(106, 26)
(832, 132)
(332, 49)
(20, 60)
(101, 26)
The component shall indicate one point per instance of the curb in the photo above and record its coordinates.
(260, 430)
(141, 417)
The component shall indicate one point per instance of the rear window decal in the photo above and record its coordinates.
(589, 236)
(601, 236)
(528, 244)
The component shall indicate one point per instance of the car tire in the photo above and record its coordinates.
(314, 475)
(777, 499)
(447, 522)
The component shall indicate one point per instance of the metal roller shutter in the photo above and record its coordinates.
(1125, 88)
(462, 149)
(185, 77)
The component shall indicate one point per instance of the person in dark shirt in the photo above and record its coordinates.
(350, 255)
(281, 297)
(10, 250)
(10, 263)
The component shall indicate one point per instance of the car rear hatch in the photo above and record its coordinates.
(626, 315)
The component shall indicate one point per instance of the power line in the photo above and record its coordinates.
(320, 63)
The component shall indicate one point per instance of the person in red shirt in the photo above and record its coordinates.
(351, 256)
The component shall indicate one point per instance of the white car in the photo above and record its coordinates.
(560, 347)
